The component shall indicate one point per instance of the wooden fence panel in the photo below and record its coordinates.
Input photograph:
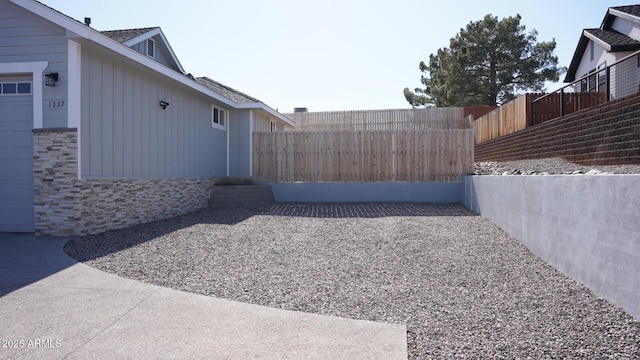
(508, 118)
(364, 156)
(555, 105)
(388, 120)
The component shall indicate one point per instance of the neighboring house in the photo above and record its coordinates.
(618, 36)
(103, 130)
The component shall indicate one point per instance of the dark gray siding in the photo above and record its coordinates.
(25, 37)
(125, 133)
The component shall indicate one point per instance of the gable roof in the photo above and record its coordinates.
(131, 37)
(612, 40)
(122, 36)
(627, 12)
(606, 37)
(80, 32)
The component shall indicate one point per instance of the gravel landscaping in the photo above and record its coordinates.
(550, 166)
(461, 285)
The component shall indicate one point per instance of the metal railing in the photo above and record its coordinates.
(609, 83)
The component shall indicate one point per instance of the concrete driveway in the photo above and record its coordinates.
(52, 307)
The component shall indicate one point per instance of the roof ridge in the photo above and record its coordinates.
(132, 29)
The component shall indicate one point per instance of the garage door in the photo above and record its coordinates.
(16, 157)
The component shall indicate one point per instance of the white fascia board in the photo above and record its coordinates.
(598, 41)
(269, 110)
(86, 32)
(152, 33)
(624, 15)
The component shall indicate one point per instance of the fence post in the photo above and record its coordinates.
(562, 102)
(533, 109)
(608, 78)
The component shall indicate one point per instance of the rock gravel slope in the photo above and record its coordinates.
(550, 166)
(461, 285)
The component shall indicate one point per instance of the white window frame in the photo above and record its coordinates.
(150, 44)
(219, 118)
(272, 125)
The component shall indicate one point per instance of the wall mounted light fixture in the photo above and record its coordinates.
(163, 104)
(50, 79)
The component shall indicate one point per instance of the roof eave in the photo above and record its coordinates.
(625, 47)
(597, 40)
(268, 109)
(86, 32)
(618, 14)
(577, 57)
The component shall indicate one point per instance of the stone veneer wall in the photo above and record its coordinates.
(55, 167)
(67, 206)
(119, 203)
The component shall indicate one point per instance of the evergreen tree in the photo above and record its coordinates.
(489, 62)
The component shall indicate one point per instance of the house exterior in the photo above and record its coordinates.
(104, 130)
(617, 37)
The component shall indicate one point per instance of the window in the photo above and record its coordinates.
(151, 48)
(15, 88)
(602, 77)
(273, 125)
(218, 118)
(592, 54)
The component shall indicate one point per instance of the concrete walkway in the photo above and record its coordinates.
(52, 307)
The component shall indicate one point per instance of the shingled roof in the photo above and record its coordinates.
(125, 35)
(613, 41)
(632, 10)
(606, 37)
(224, 90)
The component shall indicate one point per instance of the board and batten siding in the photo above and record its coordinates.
(261, 121)
(126, 134)
(239, 142)
(25, 37)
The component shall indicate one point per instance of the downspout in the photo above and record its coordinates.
(250, 143)
(228, 137)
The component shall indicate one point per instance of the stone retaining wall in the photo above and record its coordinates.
(67, 206)
(604, 135)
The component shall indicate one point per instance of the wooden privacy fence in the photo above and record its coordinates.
(398, 119)
(550, 106)
(528, 110)
(362, 156)
(506, 119)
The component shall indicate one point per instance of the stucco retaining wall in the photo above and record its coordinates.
(434, 192)
(67, 206)
(585, 226)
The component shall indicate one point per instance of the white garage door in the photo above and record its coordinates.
(16, 157)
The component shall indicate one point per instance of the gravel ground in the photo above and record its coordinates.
(461, 285)
(550, 166)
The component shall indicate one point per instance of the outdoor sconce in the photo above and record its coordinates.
(163, 104)
(50, 79)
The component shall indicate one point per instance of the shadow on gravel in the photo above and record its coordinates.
(90, 247)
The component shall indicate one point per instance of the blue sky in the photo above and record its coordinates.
(329, 54)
